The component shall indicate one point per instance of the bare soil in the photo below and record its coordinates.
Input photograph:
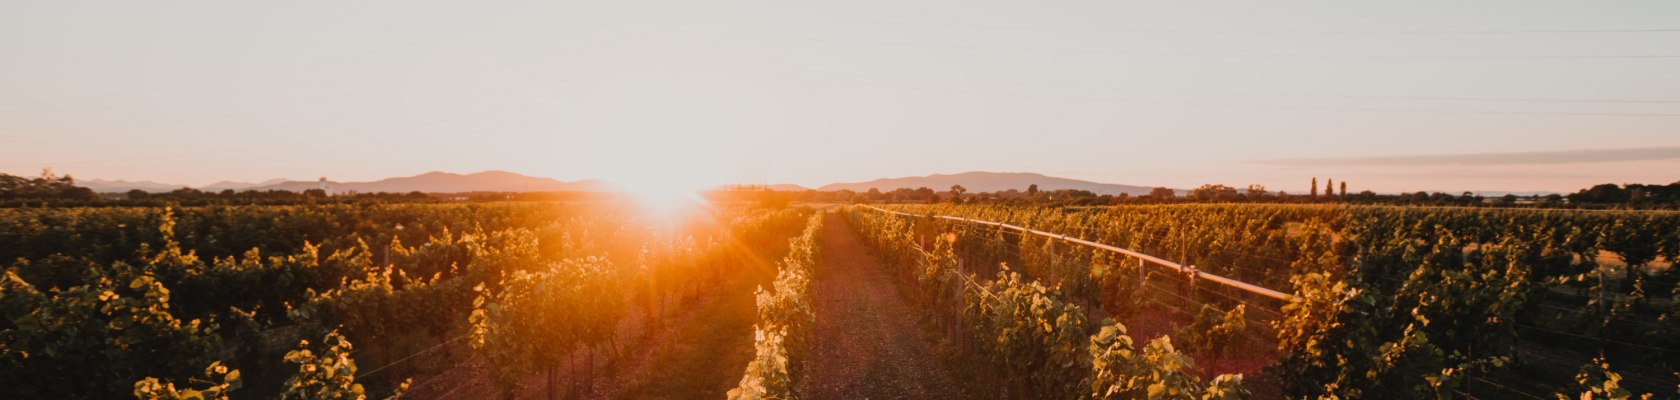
(866, 343)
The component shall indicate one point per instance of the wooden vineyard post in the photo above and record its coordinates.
(1190, 283)
(1143, 280)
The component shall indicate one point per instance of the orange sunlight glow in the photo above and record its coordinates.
(664, 181)
(665, 200)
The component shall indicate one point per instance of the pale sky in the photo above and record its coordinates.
(1390, 96)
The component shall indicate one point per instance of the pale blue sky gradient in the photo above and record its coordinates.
(1150, 93)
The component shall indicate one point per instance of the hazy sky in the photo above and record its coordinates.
(1390, 96)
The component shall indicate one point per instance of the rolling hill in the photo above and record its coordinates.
(445, 182)
(237, 186)
(989, 182)
(119, 186)
(503, 181)
(780, 187)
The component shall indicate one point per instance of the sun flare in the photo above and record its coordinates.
(665, 198)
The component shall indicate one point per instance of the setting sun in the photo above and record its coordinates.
(665, 195)
(665, 202)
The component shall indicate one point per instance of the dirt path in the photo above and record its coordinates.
(867, 344)
(697, 353)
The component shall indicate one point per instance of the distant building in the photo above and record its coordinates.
(325, 188)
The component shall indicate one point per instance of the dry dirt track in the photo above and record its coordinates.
(867, 343)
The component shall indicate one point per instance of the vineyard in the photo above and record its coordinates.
(350, 300)
(535, 299)
(1382, 302)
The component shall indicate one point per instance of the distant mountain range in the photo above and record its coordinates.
(989, 182)
(502, 181)
(780, 187)
(118, 186)
(444, 182)
(430, 182)
(225, 185)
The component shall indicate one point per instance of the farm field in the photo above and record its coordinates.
(600, 300)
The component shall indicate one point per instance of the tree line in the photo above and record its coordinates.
(52, 190)
(1602, 196)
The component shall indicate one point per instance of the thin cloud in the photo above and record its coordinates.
(1484, 159)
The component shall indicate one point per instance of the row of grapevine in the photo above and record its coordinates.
(125, 331)
(785, 317)
(1445, 299)
(104, 235)
(538, 319)
(329, 375)
(1034, 342)
(96, 299)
